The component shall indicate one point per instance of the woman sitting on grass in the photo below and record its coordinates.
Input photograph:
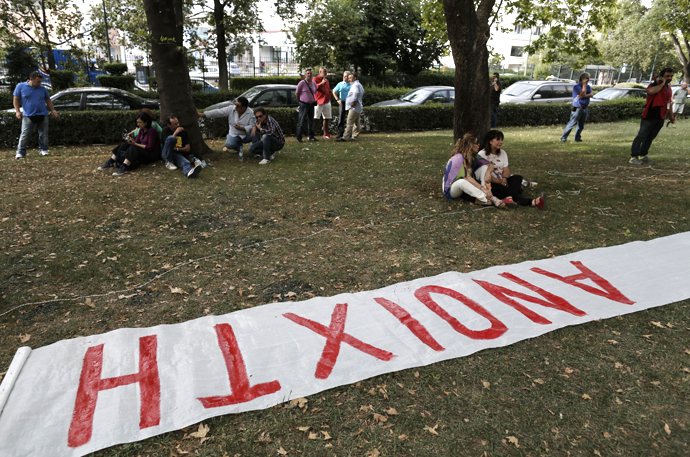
(502, 184)
(145, 148)
(463, 164)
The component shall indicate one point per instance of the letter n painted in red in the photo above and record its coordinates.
(242, 392)
(91, 383)
(497, 328)
(608, 291)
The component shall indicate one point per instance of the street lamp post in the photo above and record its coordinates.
(656, 55)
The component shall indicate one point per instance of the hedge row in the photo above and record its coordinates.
(108, 127)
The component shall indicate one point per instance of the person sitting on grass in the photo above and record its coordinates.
(145, 148)
(175, 145)
(463, 164)
(272, 138)
(503, 185)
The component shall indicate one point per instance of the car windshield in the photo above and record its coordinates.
(251, 93)
(610, 94)
(518, 90)
(132, 96)
(416, 95)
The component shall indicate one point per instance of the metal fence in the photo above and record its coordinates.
(599, 74)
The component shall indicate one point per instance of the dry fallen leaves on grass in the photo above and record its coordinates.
(313, 435)
(667, 429)
(486, 384)
(177, 290)
(380, 418)
(282, 451)
(303, 429)
(431, 430)
(586, 397)
(200, 433)
(373, 453)
(24, 338)
(513, 440)
(403, 437)
(392, 412)
(326, 436)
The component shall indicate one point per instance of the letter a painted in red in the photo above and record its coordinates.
(411, 323)
(497, 328)
(552, 301)
(91, 383)
(237, 372)
(335, 335)
(609, 291)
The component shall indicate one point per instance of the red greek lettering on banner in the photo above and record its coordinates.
(335, 335)
(411, 323)
(242, 392)
(609, 291)
(497, 328)
(91, 383)
(552, 301)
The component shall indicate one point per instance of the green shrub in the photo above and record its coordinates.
(61, 79)
(6, 100)
(153, 84)
(507, 80)
(124, 82)
(115, 69)
(204, 99)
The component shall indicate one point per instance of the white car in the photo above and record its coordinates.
(234, 69)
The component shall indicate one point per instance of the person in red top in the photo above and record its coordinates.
(323, 100)
(659, 98)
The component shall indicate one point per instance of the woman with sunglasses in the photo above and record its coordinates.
(503, 184)
(463, 164)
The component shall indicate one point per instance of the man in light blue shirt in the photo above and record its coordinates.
(340, 93)
(32, 98)
(582, 92)
(353, 103)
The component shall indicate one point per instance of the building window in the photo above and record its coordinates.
(537, 31)
(517, 51)
(519, 30)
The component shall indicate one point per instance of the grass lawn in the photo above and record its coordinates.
(70, 231)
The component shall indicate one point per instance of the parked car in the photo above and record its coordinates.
(613, 93)
(267, 95)
(100, 99)
(205, 85)
(527, 92)
(674, 87)
(234, 69)
(422, 95)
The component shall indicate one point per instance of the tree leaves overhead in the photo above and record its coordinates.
(372, 36)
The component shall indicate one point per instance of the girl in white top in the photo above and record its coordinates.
(504, 185)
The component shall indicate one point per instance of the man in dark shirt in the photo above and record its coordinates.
(495, 97)
(659, 98)
(175, 145)
(272, 138)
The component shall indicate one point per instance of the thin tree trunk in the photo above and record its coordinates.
(682, 57)
(219, 17)
(164, 18)
(468, 32)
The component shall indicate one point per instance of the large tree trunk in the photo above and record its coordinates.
(468, 32)
(164, 18)
(219, 18)
(684, 61)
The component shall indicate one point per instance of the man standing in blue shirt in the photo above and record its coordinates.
(353, 103)
(340, 93)
(33, 98)
(582, 92)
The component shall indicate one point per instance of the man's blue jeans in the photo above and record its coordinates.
(649, 129)
(494, 115)
(236, 142)
(577, 117)
(268, 144)
(28, 130)
(169, 155)
(305, 109)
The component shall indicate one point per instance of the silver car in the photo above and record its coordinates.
(527, 92)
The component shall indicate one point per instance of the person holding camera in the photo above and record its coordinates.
(145, 148)
(582, 92)
(659, 98)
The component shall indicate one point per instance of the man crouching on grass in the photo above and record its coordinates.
(272, 138)
(175, 145)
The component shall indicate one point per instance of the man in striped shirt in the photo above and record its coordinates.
(272, 138)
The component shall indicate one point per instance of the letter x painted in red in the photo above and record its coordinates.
(335, 335)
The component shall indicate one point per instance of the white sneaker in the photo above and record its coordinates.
(20, 156)
(44, 153)
(264, 162)
(170, 166)
(273, 156)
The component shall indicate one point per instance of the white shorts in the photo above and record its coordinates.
(678, 108)
(324, 110)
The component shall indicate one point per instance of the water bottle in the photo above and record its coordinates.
(241, 156)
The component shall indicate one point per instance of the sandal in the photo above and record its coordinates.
(481, 203)
(510, 203)
(542, 201)
(498, 203)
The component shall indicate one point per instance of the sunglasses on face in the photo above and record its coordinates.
(259, 116)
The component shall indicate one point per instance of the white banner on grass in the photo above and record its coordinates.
(77, 396)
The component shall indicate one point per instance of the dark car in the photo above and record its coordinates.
(613, 93)
(421, 95)
(267, 95)
(100, 99)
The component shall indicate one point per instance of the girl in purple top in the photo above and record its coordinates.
(145, 148)
(458, 180)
